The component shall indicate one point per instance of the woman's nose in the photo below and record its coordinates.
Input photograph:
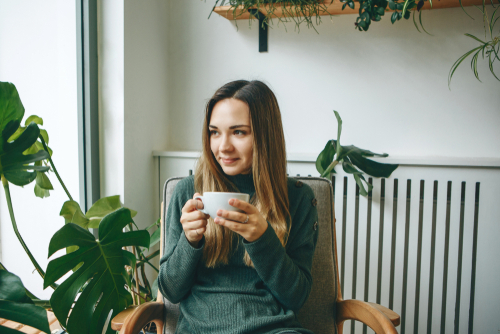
(225, 144)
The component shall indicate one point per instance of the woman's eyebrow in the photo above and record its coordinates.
(231, 127)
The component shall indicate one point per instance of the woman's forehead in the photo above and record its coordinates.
(230, 112)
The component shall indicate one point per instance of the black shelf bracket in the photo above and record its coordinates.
(263, 29)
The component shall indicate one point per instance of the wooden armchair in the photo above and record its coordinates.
(324, 312)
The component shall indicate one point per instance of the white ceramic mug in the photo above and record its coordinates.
(213, 201)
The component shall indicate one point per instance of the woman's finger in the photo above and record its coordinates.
(192, 205)
(193, 225)
(232, 225)
(243, 206)
(192, 216)
(234, 216)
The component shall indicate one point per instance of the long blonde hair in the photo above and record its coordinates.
(268, 167)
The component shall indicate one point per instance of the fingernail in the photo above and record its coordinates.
(231, 201)
(217, 220)
(219, 212)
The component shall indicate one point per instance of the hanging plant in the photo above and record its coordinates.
(310, 11)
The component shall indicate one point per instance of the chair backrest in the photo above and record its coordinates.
(318, 313)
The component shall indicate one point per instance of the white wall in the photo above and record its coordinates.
(133, 100)
(388, 84)
(146, 88)
(38, 55)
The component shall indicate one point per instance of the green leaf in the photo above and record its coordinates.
(394, 17)
(43, 181)
(14, 164)
(35, 119)
(102, 207)
(392, 5)
(45, 136)
(40, 192)
(325, 158)
(458, 62)
(362, 189)
(16, 306)
(73, 214)
(154, 289)
(349, 168)
(155, 238)
(11, 107)
(16, 134)
(371, 167)
(420, 19)
(103, 267)
(351, 4)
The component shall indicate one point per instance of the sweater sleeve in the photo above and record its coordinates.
(287, 271)
(180, 260)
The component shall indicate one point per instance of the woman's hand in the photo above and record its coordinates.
(194, 222)
(255, 224)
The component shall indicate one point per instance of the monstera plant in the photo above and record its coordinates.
(351, 157)
(104, 274)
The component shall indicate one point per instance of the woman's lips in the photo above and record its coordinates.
(228, 161)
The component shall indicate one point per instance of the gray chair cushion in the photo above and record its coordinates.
(318, 312)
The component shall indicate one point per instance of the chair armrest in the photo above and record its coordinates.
(133, 319)
(377, 317)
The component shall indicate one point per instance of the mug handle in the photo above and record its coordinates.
(201, 199)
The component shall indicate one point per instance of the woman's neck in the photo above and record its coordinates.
(243, 182)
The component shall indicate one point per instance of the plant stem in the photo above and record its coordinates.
(55, 170)
(136, 274)
(330, 167)
(5, 184)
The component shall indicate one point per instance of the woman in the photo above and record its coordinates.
(246, 272)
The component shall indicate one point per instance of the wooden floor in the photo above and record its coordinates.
(54, 324)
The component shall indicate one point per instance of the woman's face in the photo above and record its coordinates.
(231, 137)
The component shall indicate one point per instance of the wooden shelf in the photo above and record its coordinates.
(334, 8)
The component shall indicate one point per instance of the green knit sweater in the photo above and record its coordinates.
(235, 298)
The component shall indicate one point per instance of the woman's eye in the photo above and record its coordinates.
(213, 132)
(239, 132)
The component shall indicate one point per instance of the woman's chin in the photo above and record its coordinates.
(235, 170)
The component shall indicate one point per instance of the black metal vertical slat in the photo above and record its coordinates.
(380, 240)
(344, 223)
(419, 256)
(433, 252)
(355, 251)
(445, 264)
(405, 264)
(474, 255)
(459, 264)
(368, 245)
(190, 172)
(393, 242)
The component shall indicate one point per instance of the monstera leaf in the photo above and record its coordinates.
(15, 305)
(352, 157)
(72, 212)
(16, 164)
(11, 108)
(102, 274)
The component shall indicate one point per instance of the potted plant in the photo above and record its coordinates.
(105, 276)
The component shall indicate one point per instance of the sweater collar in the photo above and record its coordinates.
(244, 182)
